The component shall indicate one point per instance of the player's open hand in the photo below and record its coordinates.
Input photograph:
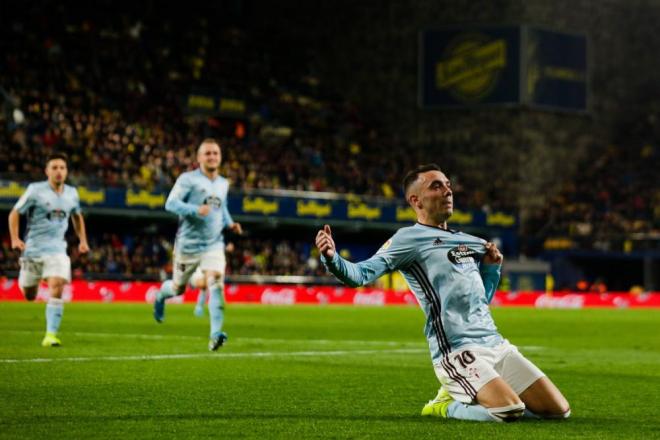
(204, 210)
(493, 254)
(325, 243)
(83, 248)
(18, 244)
(236, 228)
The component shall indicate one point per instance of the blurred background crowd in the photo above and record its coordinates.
(108, 88)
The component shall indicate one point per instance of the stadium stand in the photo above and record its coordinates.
(138, 257)
(119, 116)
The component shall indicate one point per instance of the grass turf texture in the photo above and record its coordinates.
(273, 380)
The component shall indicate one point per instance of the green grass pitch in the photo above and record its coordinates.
(305, 372)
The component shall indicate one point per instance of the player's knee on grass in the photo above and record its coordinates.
(545, 400)
(509, 413)
(498, 394)
(562, 413)
(562, 410)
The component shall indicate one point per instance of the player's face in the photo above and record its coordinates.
(209, 156)
(435, 195)
(56, 171)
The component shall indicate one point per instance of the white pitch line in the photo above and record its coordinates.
(112, 335)
(234, 340)
(219, 356)
(241, 340)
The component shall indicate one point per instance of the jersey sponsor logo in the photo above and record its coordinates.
(213, 201)
(56, 215)
(462, 255)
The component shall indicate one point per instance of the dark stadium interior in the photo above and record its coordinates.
(323, 98)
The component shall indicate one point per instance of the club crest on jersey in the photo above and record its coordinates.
(462, 256)
(213, 201)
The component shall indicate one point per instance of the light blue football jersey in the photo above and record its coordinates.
(47, 215)
(443, 269)
(197, 234)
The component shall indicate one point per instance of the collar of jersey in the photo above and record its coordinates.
(452, 231)
(199, 171)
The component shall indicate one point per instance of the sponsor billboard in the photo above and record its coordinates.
(287, 205)
(556, 74)
(287, 295)
(505, 65)
(465, 67)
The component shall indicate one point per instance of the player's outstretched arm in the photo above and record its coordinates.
(79, 226)
(14, 221)
(351, 274)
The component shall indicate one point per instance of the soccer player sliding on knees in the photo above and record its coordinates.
(454, 277)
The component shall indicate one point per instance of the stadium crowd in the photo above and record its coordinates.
(119, 116)
(611, 204)
(148, 257)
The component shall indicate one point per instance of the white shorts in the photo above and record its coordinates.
(196, 278)
(186, 264)
(35, 269)
(465, 371)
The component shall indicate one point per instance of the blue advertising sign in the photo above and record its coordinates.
(292, 205)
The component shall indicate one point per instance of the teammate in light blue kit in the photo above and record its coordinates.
(47, 206)
(200, 199)
(454, 276)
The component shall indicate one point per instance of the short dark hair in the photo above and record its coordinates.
(413, 174)
(57, 155)
(209, 141)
